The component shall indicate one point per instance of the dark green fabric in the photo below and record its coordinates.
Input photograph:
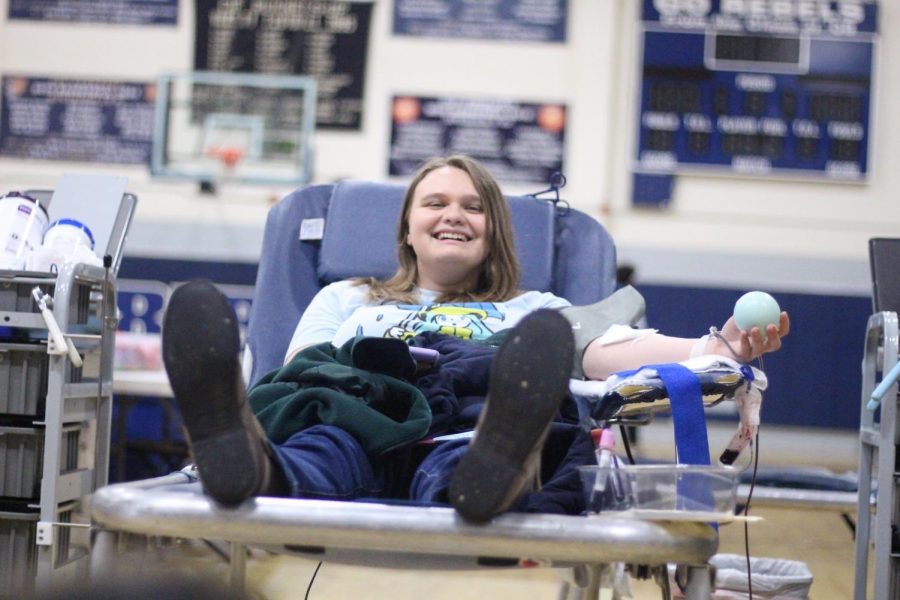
(321, 385)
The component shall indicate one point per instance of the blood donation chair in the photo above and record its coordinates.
(324, 233)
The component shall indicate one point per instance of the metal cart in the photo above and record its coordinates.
(57, 336)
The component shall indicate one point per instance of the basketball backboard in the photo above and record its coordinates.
(241, 127)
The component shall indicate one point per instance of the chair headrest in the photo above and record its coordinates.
(362, 222)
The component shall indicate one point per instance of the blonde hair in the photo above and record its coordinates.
(498, 279)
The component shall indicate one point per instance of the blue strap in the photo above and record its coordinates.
(687, 413)
(691, 438)
(691, 441)
(686, 398)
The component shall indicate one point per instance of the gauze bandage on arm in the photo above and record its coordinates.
(623, 333)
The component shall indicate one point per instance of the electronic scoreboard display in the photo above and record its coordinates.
(757, 87)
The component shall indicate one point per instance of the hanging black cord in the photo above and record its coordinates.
(311, 580)
(747, 504)
(624, 434)
(216, 550)
(746, 511)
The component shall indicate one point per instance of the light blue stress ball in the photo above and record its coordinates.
(756, 309)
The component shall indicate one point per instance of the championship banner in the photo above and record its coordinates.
(506, 20)
(518, 142)
(76, 120)
(327, 40)
(119, 12)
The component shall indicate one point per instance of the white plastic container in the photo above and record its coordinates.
(66, 241)
(66, 235)
(23, 223)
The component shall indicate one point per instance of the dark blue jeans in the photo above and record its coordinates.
(327, 462)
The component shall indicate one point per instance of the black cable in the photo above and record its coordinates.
(217, 550)
(746, 513)
(850, 523)
(311, 580)
(626, 443)
(747, 504)
(755, 444)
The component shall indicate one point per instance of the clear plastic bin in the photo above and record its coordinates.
(664, 492)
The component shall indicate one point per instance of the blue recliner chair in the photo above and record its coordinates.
(324, 233)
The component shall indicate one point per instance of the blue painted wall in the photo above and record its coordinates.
(168, 270)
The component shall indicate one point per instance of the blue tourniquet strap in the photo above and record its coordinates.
(691, 441)
(686, 398)
(687, 413)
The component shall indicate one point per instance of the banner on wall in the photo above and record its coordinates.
(323, 39)
(76, 120)
(518, 142)
(122, 12)
(508, 20)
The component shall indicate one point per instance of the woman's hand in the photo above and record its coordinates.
(749, 344)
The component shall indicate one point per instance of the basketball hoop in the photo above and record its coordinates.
(229, 156)
(234, 128)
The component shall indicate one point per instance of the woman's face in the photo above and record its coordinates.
(447, 230)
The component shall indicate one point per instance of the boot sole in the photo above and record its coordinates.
(529, 379)
(201, 343)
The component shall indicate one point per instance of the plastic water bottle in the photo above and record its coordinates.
(66, 235)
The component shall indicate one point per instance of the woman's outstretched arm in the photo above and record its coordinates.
(600, 361)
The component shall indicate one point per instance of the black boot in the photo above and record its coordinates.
(529, 379)
(201, 343)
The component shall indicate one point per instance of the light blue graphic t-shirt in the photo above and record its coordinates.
(340, 311)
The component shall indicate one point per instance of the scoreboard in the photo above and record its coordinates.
(770, 88)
